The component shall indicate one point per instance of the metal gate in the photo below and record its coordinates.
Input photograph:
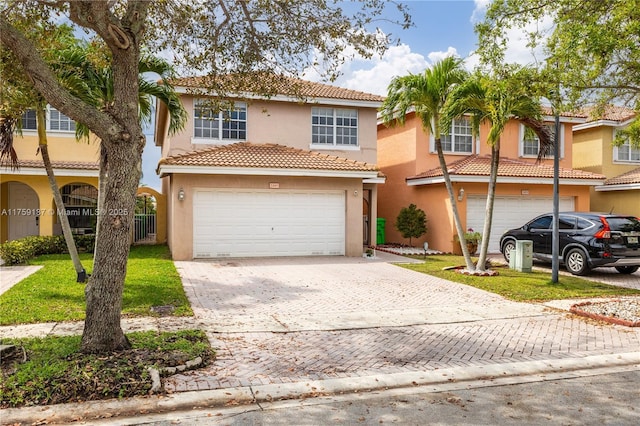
(144, 229)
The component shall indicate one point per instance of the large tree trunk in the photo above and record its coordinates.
(491, 196)
(102, 329)
(81, 274)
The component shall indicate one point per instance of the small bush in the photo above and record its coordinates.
(24, 249)
(16, 251)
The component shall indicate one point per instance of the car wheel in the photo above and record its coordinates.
(507, 247)
(576, 262)
(627, 269)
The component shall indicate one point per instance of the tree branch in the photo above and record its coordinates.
(45, 81)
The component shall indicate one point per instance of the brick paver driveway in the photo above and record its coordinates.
(294, 320)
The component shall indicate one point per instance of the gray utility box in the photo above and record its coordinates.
(521, 259)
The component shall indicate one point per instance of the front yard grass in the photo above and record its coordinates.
(520, 286)
(55, 371)
(52, 293)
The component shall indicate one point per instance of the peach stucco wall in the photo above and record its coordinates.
(404, 151)
(180, 223)
(284, 123)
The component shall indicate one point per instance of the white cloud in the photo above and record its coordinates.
(480, 9)
(438, 56)
(374, 75)
(518, 51)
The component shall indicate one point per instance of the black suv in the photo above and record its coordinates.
(587, 240)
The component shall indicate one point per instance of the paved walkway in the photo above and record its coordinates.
(298, 327)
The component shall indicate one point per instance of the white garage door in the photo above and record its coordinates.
(509, 212)
(251, 223)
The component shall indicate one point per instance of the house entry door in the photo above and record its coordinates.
(23, 209)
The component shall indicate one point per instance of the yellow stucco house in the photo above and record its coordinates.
(593, 151)
(26, 202)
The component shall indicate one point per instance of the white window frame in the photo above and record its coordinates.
(550, 155)
(221, 119)
(630, 152)
(454, 135)
(62, 118)
(333, 130)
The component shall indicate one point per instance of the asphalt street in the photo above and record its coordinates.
(588, 397)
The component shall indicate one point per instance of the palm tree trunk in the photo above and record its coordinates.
(62, 213)
(491, 196)
(452, 200)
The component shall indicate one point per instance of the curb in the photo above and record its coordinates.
(111, 409)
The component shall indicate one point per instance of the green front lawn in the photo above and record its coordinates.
(52, 294)
(520, 286)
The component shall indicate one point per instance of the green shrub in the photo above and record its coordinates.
(16, 251)
(85, 243)
(24, 249)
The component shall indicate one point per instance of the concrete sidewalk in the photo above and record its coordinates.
(293, 328)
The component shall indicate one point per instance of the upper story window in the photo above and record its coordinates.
(627, 153)
(334, 127)
(56, 121)
(461, 137)
(530, 144)
(211, 126)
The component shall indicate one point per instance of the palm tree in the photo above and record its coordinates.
(497, 101)
(95, 86)
(427, 94)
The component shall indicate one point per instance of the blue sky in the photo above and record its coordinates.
(441, 28)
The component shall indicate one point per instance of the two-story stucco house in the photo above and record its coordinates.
(291, 175)
(407, 157)
(26, 202)
(594, 151)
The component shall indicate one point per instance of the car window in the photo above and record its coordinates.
(543, 222)
(584, 223)
(624, 224)
(567, 222)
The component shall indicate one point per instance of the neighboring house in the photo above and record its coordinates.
(407, 157)
(291, 175)
(26, 202)
(594, 151)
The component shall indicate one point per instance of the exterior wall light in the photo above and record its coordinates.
(460, 194)
(181, 195)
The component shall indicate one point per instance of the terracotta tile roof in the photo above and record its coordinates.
(282, 85)
(610, 112)
(69, 165)
(475, 165)
(546, 110)
(269, 156)
(629, 177)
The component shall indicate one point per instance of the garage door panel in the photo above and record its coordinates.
(509, 213)
(260, 223)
